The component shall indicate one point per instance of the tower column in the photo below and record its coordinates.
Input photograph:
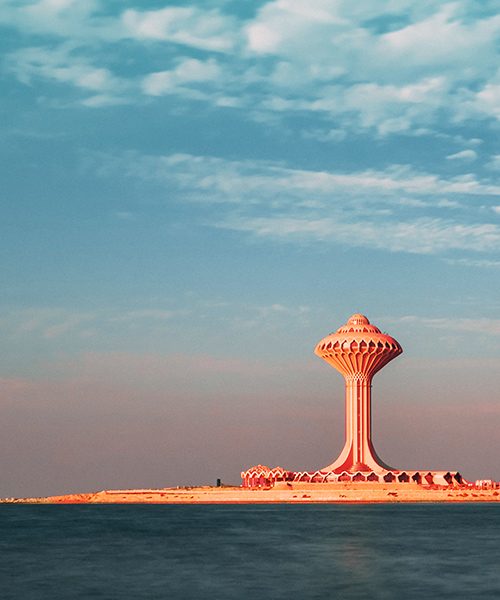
(358, 425)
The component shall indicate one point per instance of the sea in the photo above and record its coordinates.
(249, 551)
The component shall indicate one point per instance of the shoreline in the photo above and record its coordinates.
(301, 493)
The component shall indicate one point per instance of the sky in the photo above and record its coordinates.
(195, 193)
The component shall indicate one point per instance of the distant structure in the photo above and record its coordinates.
(358, 350)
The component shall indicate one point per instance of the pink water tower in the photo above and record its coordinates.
(358, 350)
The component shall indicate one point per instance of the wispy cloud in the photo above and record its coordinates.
(494, 163)
(155, 314)
(453, 325)
(60, 329)
(397, 209)
(45, 322)
(465, 156)
(64, 65)
(188, 73)
(270, 317)
(469, 262)
(218, 179)
(67, 19)
(188, 26)
(51, 323)
(420, 236)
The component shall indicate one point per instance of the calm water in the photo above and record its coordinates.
(385, 552)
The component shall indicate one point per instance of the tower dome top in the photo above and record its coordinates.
(358, 320)
(358, 324)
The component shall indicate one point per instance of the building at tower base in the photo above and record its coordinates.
(264, 477)
(358, 350)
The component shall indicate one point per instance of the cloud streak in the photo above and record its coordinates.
(397, 209)
(480, 325)
(421, 236)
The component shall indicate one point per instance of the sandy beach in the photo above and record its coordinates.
(280, 493)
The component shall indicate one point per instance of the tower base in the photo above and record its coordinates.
(260, 477)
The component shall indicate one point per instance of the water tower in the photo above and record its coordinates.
(358, 350)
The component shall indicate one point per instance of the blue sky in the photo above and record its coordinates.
(196, 193)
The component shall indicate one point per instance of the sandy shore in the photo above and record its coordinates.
(281, 493)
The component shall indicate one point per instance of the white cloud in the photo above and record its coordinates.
(474, 263)
(279, 23)
(103, 100)
(443, 39)
(156, 314)
(421, 236)
(383, 108)
(46, 11)
(396, 209)
(323, 135)
(494, 163)
(160, 83)
(81, 21)
(270, 317)
(390, 108)
(188, 72)
(51, 323)
(196, 70)
(62, 66)
(397, 82)
(190, 26)
(71, 19)
(262, 39)
(479, 325)
(465, 156)
(488, 99)
(430, 64)
(45, 322)
(159, 24)
(215, 179)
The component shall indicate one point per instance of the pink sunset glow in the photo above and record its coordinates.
(126, 421)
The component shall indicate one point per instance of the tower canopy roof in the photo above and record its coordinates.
(358, 347)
